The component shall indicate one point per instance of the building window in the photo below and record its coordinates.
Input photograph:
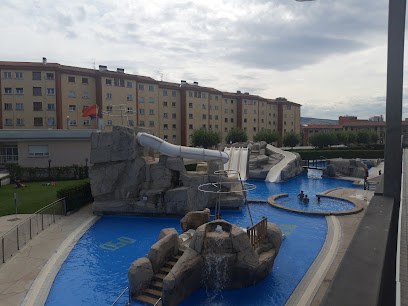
(190, 105)
(164, 104)
(38, 121)
(232, 111)
(216, 107)
(37, 91)
(262, 121)
(204, 106)
(226, 110)
(173, 104)
(204, 95)
(291, 123)
(130, 110)
(85, 95)
(284, 116)
(174, 126)
(226, 101)
(37, 106)
(129, 84)
(71, 94)
(142, 123)
(165, 126)
(190, 126)
(245, 111)
(129, 97)
(50, 91)
(36, 76)
(108, 95)
(109, 108)
(8, 121)
(8, 106)
(174, 93)
(19, 121)
(109, 122)
(108, 82)
(71, 79)
(165, 115)
(216, 98)
(289, 107)
(51, 121)
(254, 120)
(85, 81)
(151, 100)
(87, 122)
(151, 88)
(190, 116)
(72, 108)
(254, 129)
(151, 123)
(141, 99)
(245, 119)
(131, 123)
(7, 75)
(50, 106)
(174, 137)
(284, 122)
(204, 116)
(190, 93)
(38, 150)
(141, 87)
(210, 117)
(116, 82)
(49, 76)
(204, 126)
(225, 120)
(151, 111)
(232, 119)
(141, 111)
(216, 126)
(262, 113)
(173, 115)
(165, 137)
(19, 75)
(216, 117)
(19, 106)
(164, 92)
(225, 129)
(254, 111)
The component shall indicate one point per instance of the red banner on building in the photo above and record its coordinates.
(90, 111)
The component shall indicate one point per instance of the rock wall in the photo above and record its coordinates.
(261, 160)
(345, 167)
(293, 168)
(124, 181)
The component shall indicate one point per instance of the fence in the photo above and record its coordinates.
(257, 232)
(18, 236)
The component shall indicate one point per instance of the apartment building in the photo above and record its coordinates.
(46, 95)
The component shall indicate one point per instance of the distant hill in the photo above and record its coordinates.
(309, 121)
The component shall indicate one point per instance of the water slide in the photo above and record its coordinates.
(169, 149)
(238, 159)
(274, 174)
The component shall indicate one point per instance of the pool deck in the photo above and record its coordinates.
(27, 278)
(19, 273)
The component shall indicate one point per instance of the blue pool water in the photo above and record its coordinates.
(95, 272)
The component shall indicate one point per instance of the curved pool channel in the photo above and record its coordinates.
(95, 272)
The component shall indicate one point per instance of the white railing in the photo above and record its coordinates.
(8, 159)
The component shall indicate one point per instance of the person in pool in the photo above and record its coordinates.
(318, 199)
(305, 199)
(301, 195)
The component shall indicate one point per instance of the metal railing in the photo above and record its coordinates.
(18, 236)
(257, 232)
(123, 292)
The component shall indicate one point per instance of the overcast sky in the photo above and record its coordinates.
(328, 55)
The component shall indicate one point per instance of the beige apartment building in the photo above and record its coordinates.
(46, 95)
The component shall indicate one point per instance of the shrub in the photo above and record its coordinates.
(291, 139)
(191, 167)
(204, 138)
(236, 135)
(347, 154)
(76, 196)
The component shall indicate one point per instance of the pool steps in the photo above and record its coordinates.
(150, 295)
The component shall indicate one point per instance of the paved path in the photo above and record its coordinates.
(18, 274)
(8, 222)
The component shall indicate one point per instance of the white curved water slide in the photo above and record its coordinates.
(274, 174)
(148, 140)
(238, 159)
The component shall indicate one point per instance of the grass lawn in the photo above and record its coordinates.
(32, 198)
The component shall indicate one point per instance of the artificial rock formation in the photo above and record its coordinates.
(261, 160)
(293, 168)
(345, 167)
(220, 256)
(124, 181)
(194, 219)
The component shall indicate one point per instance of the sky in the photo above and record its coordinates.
(327, 55)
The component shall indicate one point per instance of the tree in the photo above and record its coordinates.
(363, 137)
(323, 139)
(373, 136)
(267, 135)
(291, 139)
(204, 138)
(351, 137)
(236, 135)
(342, 137)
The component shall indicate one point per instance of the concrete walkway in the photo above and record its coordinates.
(18, 274)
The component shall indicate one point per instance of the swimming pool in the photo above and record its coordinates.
(95, 272)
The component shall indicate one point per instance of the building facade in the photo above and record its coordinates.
(51, 96)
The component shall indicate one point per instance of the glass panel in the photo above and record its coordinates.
(10, 244)
(35, 225)
(24, 233)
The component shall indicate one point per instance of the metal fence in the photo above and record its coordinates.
(18, 236)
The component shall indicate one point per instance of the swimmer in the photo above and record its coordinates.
(301, 195)
(305, 199)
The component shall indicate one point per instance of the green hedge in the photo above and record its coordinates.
(317, 154)
(76, 196)
(191, 167)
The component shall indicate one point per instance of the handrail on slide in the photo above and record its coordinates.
(123, 292)
(169, 149)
